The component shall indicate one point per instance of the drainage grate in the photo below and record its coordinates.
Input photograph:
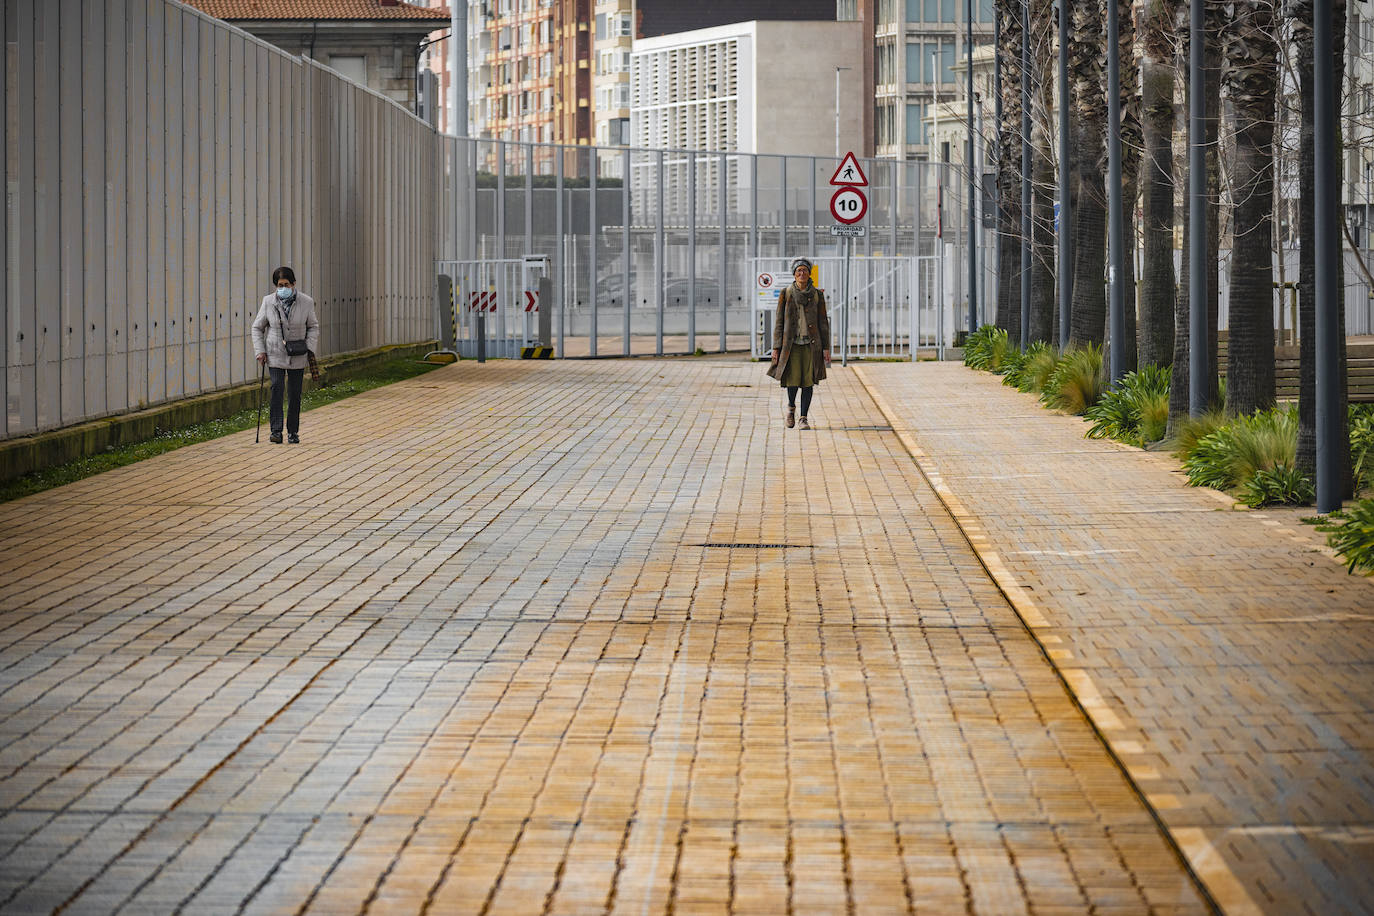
(864, 429)
(738, 545)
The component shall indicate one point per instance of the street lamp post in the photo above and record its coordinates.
(972, 188)
(837, 109)
(1330, 418)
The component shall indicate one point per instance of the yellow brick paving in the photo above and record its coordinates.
(464, 651)
(1226, 657)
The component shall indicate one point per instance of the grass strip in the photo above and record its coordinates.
(387, 373)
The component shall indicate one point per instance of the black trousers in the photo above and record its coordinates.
(291, 380)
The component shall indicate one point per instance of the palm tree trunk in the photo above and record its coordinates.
(1130, 167)
(1157, 281)
(1043, 303)
(1216, 16)
(1089, 104)
(1009, 171)
(1251, 76)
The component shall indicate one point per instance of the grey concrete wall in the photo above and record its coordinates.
(164, 163)
(794, 87)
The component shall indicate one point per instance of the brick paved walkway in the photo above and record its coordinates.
(481, 644)
(1226, 657)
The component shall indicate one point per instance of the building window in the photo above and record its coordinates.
(350, 68)
(915, 124)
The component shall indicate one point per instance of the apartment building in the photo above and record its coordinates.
(915, 46)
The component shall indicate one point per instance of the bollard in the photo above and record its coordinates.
(481, 337)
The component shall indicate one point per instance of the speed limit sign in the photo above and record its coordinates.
(848, 205)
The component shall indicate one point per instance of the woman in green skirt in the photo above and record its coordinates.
(801, 341)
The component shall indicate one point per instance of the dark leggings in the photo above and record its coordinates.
(806, 398)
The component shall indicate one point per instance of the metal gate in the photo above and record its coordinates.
(875, 319)
(495, 301)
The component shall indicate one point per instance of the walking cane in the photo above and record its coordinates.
(257, 437)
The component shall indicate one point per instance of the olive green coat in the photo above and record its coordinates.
(785, 328)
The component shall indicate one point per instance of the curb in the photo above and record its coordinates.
(25, 454)
(1193, 852)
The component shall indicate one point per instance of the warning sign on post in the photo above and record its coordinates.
(849, 173)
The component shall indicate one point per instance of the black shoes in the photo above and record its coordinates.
(293, 439)
(275, 438)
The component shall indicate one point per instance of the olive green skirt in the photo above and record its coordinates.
(799, 372)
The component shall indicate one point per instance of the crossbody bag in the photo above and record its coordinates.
(293, 347)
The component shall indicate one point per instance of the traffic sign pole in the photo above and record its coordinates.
(848, 206)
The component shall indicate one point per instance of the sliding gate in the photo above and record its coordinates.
(496, 301)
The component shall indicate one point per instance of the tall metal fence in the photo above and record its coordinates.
(159, 165)
(654, 251)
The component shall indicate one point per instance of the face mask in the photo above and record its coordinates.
(285, 292)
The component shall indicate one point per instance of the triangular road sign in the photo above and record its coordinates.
(849, 173)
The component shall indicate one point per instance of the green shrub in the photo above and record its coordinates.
(1362, 444)
(1351, 534)
(1019, 367)
(987, 348)
(978, 347)
(1265, 441)
(1193, 429)
(1235, 454)
(1281, 486)
(1209, 461)
(1040, 362)
(1154, 416)
(1076, 382)
(1134, 412)
(1012, 366)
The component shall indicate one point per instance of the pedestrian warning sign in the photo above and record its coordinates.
(849, 173)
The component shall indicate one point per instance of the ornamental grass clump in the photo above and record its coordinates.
(1136, 411)
(1281, 486)
(1362, 445)
(1256, 454)
(1040, 362)
(1076, 382)
(1027, 371)
(987, 348)
(1351, 534)
(1193, 430)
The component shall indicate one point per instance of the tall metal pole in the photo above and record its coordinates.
(837, 109)
(1116, 267)
(999, 222)
(1065, 208)
(1197, 217)
(1329, 417)
(973, 187)
(458, 67)
(1026, 175)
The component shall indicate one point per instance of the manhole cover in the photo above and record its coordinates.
(740, 545)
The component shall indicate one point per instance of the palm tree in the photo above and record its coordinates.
(1089, 105)
(1043, 326)
(1299, 14)
(1130, 163)
(1157, 183)
(1250, 76)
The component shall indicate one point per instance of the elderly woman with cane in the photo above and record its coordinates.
(801, 341)
(286, 335)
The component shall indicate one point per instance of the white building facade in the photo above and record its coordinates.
(753, 87)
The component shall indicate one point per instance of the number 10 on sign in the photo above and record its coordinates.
(848, 205)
